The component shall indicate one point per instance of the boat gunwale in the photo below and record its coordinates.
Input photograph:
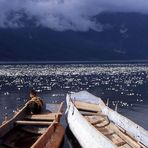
(8, 125)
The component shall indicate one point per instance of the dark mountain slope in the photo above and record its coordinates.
(125, 37)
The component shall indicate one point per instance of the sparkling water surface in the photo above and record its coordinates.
(122, 84)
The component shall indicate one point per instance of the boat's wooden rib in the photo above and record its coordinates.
(33, 131)
(99, 122)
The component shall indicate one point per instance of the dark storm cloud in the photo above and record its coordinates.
(60, 15)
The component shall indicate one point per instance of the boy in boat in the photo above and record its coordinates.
(35, 104)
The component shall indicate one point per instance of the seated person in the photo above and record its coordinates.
(35, 104)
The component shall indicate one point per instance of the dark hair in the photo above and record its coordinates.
(33, 92)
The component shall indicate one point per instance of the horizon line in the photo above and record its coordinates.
(75, 62)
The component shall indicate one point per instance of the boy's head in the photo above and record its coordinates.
(33, 93)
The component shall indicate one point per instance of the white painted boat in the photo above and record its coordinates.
(95, 125)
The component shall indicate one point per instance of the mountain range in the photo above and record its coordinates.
(124, 37)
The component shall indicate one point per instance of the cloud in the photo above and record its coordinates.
(61, 15)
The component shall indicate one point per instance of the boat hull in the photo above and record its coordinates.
(88, 135)
(33, 131)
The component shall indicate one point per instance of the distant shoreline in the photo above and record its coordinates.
(76, 62)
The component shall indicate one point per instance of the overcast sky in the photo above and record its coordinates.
(60, 15)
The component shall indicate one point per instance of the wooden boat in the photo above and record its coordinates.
(95, 125)
(35, 131)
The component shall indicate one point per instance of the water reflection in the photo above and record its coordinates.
(122, 84)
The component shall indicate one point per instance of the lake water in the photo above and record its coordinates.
(122, 84)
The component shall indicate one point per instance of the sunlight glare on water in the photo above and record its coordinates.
(122, 84)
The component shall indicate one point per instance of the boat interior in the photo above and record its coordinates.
(32, 130)
(117, 135)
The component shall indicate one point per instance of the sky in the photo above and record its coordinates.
(62, 15)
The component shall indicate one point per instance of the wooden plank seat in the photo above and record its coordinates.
(87, 113)
(125, 146)
(117, 140)
(106, 131)
(102, 124)
(86, 106)
(23, 122)
(43, 117)
(95, 119)
(105, 122)
(120, 143)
